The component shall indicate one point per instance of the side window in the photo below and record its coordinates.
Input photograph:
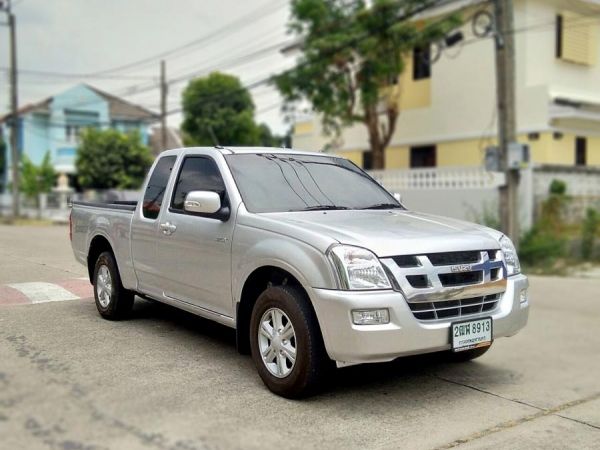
(197, 174)
(155, 191)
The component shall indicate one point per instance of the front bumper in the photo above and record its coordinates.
(404, 335)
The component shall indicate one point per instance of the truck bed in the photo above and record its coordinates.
(120, 205)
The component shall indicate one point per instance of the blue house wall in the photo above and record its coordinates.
(54, 128)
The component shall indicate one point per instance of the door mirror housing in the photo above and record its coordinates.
(397, 196)
(202, 202)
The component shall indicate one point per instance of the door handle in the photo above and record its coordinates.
(168, 228)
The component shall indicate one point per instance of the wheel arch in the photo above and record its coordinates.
(254, 284)
(98, 245)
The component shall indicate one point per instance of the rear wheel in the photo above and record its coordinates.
(112, 300)
(286, 343)
(467, 355)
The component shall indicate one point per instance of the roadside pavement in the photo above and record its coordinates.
(168, 380)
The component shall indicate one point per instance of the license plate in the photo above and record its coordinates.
(471, 334)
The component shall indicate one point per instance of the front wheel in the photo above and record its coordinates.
(112, 300)
(286, 343)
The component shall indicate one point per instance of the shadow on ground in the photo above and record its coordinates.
(409, 370)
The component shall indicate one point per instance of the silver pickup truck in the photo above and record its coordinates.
(309, 259)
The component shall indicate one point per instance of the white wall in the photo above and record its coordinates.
(463, 85)
(538, 55)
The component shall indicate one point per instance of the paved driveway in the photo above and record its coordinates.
(168, 380)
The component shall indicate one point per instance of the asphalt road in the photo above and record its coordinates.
(168, 380)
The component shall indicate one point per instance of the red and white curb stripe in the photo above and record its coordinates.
(42, 292)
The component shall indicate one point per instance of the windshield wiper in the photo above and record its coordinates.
(384, 206)
(322, 208)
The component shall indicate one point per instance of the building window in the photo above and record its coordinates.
(422, 156)
(575, 38)
(367, 161)
(580, 151)
(421, 63)
(559, 35)
(72, 133)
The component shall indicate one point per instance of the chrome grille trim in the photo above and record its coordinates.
(436, 291)
(457, 309)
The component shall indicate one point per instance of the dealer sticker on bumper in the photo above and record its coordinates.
(471, 334)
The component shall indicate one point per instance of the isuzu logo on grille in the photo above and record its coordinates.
(461, 268)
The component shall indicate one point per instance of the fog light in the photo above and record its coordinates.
(370, 316)
(523, 296)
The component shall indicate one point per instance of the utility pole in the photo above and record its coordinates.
(14, 102)
(163, 104)
(507, 133)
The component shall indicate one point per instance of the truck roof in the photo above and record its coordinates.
(251, 150)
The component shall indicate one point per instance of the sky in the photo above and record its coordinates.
(117, 45)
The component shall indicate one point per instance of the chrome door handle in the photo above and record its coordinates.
(168, 228)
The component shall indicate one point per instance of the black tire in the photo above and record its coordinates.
(467, 355)
(312, 365)
(120, 301)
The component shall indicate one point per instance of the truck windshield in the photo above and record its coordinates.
(292, 182)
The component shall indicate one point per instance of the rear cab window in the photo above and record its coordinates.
(157, 185)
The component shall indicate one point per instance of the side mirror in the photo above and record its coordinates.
(202, 202)
(397, 196)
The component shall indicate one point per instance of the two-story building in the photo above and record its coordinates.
(448, 108)
(54, 124)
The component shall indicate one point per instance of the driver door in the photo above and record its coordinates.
(194, 249)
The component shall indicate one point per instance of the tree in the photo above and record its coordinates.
(217, 109)
(352, 54)
(37, 179)
(109, 159)
(268, 139)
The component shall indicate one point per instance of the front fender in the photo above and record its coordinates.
(254, 248)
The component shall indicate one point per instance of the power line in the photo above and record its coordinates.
(265, 80)
(47, 73)
(238, 24)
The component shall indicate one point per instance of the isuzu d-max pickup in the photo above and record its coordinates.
(309, 259)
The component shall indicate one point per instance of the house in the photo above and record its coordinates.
(448, 108)
(54, 124)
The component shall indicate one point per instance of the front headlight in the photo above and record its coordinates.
(358, 268)
(510, 256)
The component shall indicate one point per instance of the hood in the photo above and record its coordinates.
(393, 232)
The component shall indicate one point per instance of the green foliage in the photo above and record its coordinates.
(558, 187)
(351, 55)
(108, 159)
(589, 230)
(37, 179)
(546, 240)
(540, 246)
(268, 139)
(217, 109)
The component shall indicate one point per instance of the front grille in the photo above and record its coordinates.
(451, 258)
(449, 309)
(461, 278)
(406, 261)
(448, 285)
(418, 281)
